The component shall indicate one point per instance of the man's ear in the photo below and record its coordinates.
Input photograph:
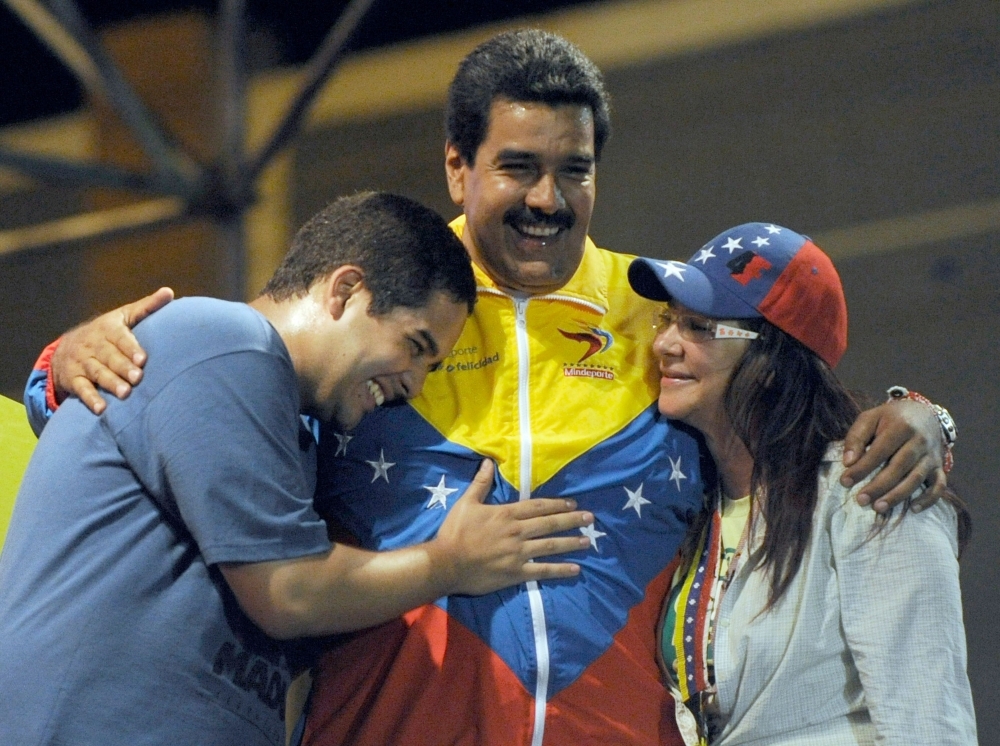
(455, 169)
(343, 284)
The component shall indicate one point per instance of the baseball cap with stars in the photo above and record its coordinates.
(757, 270)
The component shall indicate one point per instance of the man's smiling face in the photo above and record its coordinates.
(529, 195)
(384, 358)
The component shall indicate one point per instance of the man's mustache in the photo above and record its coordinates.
(518, 216)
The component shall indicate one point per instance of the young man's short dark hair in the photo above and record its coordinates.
(406, 250)
(525, 65)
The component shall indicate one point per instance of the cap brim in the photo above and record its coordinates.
(667, 280)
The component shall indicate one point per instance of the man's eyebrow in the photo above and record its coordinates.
(431, 342)
(514, 154)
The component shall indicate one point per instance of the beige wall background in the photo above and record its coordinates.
(871, 126)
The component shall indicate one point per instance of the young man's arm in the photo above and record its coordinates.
(219, 445)
(479, 549)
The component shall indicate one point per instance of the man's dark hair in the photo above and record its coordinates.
(525, 65)
(406, 251)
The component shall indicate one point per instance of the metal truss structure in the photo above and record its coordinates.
(178, 188)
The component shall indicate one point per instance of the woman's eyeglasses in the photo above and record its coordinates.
(696, 328)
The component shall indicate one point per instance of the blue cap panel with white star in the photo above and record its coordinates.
(728, 277)
(392, 480)
(632, 540)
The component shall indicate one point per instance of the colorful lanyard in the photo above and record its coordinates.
(700, 599)
(691, 636)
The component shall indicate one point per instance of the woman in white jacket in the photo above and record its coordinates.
(798, 616)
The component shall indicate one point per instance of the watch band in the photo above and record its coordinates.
(949, 430)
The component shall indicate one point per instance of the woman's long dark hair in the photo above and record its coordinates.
(787, 406)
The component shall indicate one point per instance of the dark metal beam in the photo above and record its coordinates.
(83, 174)
(94, 226)
(233, 92)
(318, 70)
(59, 41)
(64, 29)
(233, 180)
(222, 193)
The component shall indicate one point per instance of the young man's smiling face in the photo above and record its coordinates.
(529, 196)
(386, 358)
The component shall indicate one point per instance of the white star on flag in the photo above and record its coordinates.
(761, 241)
(439, 494)
(732, 244)
(676, 475)
(342, 441)
(635, 500)
(772, 228)
(673, 269)
(592, 533)
(381, 467)
(704, 255)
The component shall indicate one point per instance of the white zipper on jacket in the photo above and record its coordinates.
(570, 299)
(524, 493)
(550, 296)
(538, 623)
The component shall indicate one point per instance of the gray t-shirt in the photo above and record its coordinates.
(116, 626)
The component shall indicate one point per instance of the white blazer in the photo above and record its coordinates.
(867, 644)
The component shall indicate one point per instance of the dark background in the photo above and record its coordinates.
(882, 117)
(35, 84)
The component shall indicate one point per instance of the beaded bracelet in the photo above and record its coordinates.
(949, 431)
